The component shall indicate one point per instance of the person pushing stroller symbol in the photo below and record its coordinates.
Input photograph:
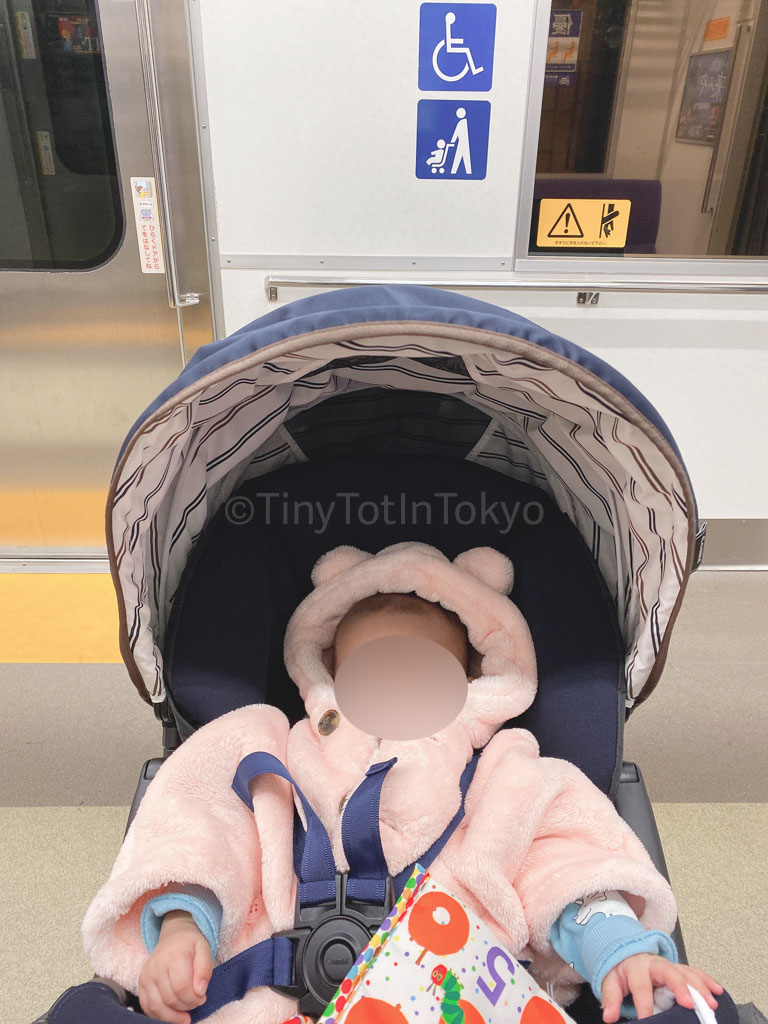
(460, 139)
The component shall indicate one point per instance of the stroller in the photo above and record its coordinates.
(373, 415)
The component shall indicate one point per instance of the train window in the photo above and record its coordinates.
(653, 138)
(60, 204)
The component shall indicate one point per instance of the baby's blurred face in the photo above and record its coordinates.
(430, 624)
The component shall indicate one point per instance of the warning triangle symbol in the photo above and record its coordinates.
(567, 225)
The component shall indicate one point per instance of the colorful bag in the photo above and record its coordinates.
(433, 960)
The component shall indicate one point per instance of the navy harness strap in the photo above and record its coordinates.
(268, 963)
(271, 962)
(361, 838)
(317, 868)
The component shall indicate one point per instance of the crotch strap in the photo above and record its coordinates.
(336, 914)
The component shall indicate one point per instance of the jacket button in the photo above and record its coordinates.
(328, 722)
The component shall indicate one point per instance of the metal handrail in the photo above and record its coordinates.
(272, 282)
(176, 298)
(723, 111)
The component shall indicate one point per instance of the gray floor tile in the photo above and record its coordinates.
(715, 854)
(701, 736)
(54, 860)
(724, 616)
(72, 734)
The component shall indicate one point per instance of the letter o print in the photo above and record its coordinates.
(432, 935)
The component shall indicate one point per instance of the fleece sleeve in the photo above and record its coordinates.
(200, 902)
(192, 829)
(595, 934)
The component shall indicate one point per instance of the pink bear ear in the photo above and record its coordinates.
(489, 566)
(336, 561)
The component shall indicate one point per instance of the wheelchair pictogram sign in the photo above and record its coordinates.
(452, 139)
(456, 47)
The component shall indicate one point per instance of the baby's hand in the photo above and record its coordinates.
(641, 973)
(176, 975)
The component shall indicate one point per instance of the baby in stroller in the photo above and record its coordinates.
(541, 855)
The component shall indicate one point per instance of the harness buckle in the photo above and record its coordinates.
(329, 938)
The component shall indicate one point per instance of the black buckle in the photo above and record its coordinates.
(330, 937)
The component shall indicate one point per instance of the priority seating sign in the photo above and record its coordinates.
(456, 52)
(456, 43)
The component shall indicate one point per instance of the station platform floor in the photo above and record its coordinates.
(75, 735)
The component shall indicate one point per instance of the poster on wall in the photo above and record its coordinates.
(78, 34)
(563, 47)
(704, 93)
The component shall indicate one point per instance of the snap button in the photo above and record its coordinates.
(328, 722)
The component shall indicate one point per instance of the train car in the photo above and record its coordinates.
(181, 176)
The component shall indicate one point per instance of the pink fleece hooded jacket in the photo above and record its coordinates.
(537, 833)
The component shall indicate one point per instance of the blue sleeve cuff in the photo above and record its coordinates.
(618, 947)
(198, 901)
(594, 942)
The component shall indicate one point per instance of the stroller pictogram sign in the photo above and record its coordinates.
(452, 139)
(456, 47)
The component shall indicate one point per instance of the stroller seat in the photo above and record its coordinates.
(224, 643)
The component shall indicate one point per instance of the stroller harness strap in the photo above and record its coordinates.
(272, 959)
(305, 971)
(361, 839)
(316, 868)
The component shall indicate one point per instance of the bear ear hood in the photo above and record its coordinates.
(474, 586)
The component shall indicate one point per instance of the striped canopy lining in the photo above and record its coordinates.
(547, 429)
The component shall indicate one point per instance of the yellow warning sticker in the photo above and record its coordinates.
(583, 223)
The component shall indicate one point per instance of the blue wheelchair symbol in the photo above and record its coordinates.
(456, 47)
(452, 139)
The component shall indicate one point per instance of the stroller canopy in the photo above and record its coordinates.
(482, 383)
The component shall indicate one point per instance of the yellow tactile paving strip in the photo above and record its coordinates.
(51, 517)
(58, 617)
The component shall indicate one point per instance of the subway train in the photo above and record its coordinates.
(281, 278)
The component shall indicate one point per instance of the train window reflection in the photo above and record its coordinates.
(59, 193)
(654, 130)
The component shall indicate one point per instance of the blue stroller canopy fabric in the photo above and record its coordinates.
(557, 417)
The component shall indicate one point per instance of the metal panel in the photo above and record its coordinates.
(313, 136)
(83, 352)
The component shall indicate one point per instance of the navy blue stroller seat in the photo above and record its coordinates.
(424, 416)
(257, 572)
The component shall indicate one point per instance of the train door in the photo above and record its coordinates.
(104, 286)
(663, 100)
